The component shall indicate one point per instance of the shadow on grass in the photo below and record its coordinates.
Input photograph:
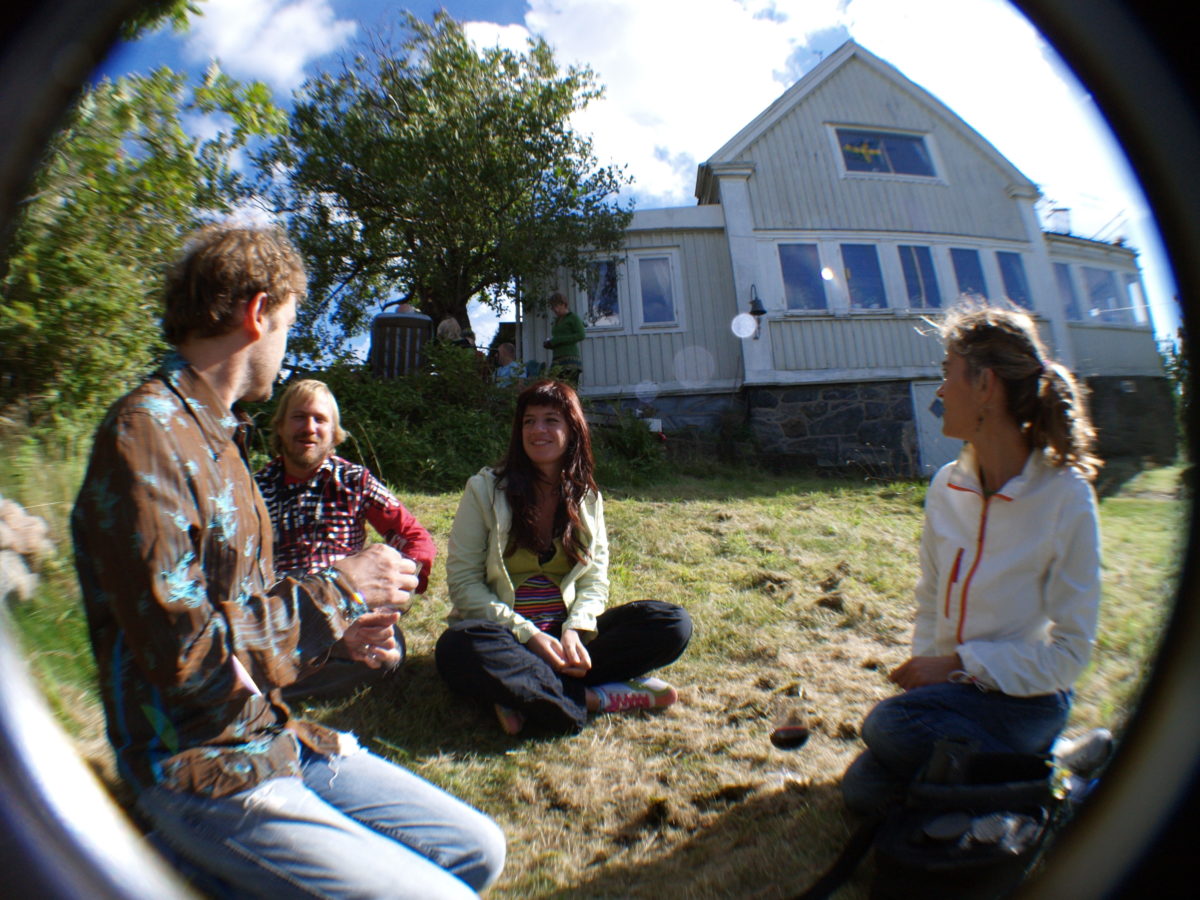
(770, 844)
(414, 715)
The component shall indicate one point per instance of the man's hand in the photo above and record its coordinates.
(922, 670)
(371, 639)
(382, 576)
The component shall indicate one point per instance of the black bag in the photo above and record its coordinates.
(970, 827)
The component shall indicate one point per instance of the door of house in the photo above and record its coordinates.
(935, 448)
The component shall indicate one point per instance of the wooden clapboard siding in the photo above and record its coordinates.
(1114, 350)
(669, 358)
(798, 181)
(853, 343)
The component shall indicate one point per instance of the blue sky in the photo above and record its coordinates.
(683, 76)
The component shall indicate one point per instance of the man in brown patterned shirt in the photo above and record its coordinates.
(194, 638)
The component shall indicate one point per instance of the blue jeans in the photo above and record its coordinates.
(353, 825)
(900, 733)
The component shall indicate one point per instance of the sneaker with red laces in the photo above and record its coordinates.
(637, 693)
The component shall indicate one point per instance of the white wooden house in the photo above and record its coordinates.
(852, 209)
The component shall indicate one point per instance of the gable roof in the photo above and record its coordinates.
(800, 91)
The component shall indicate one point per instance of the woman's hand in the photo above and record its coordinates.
(922, 670)
(548, 648)
(567, 657)
(578, 663)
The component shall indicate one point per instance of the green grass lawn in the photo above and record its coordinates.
(800, 589)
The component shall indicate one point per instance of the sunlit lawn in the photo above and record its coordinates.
(800, 589)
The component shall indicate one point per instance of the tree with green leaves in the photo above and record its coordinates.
(441, 173)
(1178, 368)
(121, 185)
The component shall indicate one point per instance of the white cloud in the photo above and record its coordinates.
(270, 40)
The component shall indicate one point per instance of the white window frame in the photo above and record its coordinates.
(583, 296)
(831, 129)
(634, 268)
(629, 293)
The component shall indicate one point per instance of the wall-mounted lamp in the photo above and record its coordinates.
(757, 310)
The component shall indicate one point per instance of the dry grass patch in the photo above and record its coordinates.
(801, 592)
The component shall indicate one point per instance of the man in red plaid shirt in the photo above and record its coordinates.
(320, 505)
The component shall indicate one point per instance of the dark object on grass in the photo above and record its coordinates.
(790, 732)
(789, 737)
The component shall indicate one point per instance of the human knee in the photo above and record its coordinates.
(867, 787)
(679, 624)
(878, 724)
(485, 850)
(671, 621)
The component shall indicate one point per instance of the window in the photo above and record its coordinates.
(603, 301)
(1012, 272)
(920, 279)
(1137, 300)
(884, 152)
(803, 286)
(1066, 291)
(864, 280)
(1103, 301)
(658, 294)
(968, 271)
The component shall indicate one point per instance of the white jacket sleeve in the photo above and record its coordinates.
(1071, 600)
(591, 588)
(467, 576)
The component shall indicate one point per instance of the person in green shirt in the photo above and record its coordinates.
(565, 335)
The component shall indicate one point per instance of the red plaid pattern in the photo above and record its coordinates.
(323, 519)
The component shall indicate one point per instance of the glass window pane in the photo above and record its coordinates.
(968, 271)
(864, 280)
(1103, 301)
(658, 300)
(1012, 271)
(920, 279)
(1066, 292)
(862, 152)
(603, 303)
(908, 155)
(873, 151)
(803, 286)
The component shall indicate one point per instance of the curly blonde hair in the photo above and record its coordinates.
(1043, 397)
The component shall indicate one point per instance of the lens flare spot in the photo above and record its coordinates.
(742, 325)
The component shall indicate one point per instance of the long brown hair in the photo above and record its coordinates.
(1043, 397)
(519, 476)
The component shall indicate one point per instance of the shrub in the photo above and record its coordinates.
(429, 431)
(627, 452)
(433, 430)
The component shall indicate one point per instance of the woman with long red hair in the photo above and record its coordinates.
(527, 568)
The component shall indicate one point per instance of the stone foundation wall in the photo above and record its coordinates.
(862, 425)
(701, 413)
(1134, 417)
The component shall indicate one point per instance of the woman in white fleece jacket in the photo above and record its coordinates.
(1010, 563)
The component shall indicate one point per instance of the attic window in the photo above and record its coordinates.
(885, 152)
